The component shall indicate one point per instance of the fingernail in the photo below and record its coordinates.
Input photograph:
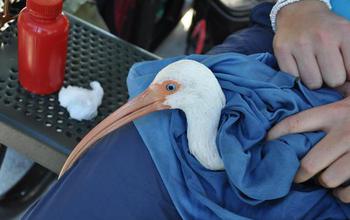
(269, 136)
(300, 176)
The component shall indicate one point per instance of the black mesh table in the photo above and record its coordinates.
(36, 125)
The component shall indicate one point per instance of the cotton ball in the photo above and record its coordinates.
(81, 103)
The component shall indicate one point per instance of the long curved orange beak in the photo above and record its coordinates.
(149, 101)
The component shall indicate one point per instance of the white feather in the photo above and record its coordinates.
(201, 98)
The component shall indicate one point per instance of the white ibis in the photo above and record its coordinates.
(187, 85)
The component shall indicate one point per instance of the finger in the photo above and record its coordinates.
(343, 194)
(321, 156)
(308, 68)
(345, 50)
(337, 173)
(344, 89)
(286, 62)
(313, 119)
(332, 67)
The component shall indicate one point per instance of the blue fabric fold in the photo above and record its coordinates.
(257, 182)
(341, 8)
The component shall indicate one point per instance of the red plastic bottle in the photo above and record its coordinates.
(42, 46)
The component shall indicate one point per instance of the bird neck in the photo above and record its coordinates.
(202, 126)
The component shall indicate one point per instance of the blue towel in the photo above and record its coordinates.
(341, 7)
(258, 180)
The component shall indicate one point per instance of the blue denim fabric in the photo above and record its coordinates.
(116, 179)
(255, 39)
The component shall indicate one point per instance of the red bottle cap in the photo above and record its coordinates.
(45, 8)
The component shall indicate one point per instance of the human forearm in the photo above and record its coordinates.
(282, 3)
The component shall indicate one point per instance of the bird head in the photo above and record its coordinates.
(184, 84)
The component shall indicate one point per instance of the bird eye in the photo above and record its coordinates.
(171, 87)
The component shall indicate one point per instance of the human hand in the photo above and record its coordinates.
(329, 159)
(344, 89)
(313, 43)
